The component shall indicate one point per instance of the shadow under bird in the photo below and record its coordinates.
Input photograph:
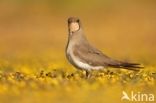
(84, 56)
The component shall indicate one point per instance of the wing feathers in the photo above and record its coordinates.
(94, 57)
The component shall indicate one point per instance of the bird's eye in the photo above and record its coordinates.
(77, 20)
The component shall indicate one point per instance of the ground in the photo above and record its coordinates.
(38, 81)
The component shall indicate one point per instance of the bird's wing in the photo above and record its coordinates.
(88, 54)
(92, 56)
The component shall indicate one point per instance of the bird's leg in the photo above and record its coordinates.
(88, 74)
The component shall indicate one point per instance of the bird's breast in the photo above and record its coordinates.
(76, 61)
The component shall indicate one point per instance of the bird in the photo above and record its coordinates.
(82, 55)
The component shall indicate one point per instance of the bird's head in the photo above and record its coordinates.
(73, 24)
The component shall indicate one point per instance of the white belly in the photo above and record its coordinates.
(78, 63)
(86, 66)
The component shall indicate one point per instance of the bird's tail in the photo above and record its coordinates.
(127, 65)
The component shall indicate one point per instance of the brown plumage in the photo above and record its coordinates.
(84, 56)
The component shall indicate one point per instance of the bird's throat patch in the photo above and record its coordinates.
(74, 26)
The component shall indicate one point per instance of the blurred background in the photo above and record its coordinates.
(123, 29)
(33, 37)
